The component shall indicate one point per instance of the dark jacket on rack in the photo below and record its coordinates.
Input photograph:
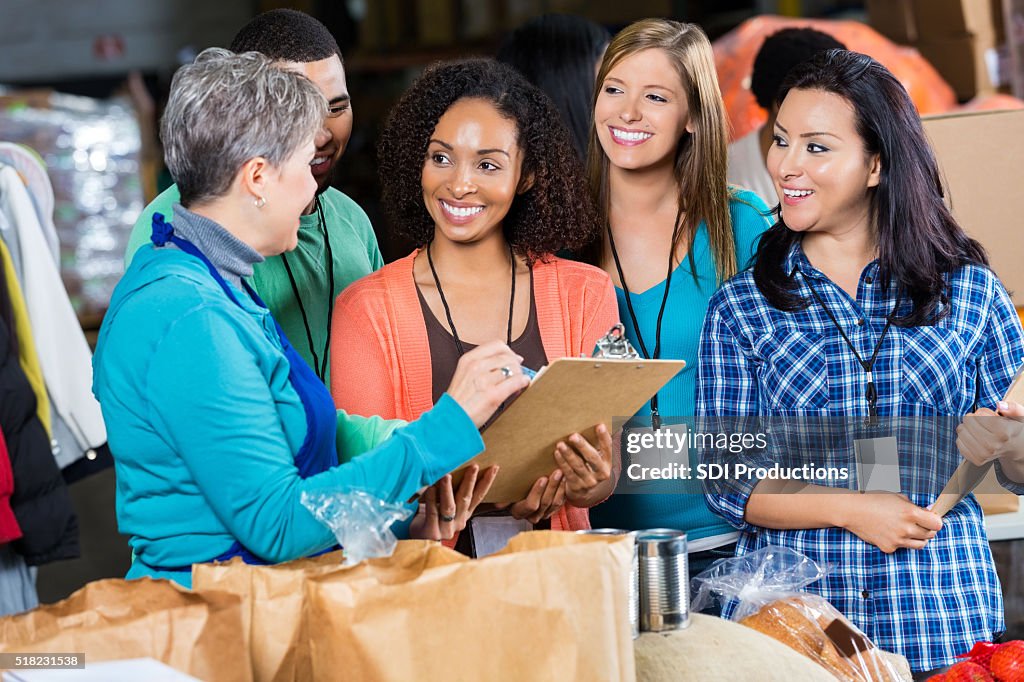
(40, 502)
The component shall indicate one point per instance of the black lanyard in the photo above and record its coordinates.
(655, 415)
(448, 312)
(869, 391)
(319, 366)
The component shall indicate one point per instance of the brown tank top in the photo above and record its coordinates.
(444, 354)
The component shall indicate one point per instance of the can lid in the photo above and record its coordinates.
(661, 542)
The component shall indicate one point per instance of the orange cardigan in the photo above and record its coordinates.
(380, 354)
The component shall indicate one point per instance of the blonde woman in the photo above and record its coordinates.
(674, 232)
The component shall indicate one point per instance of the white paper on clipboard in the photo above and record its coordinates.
(967, 476)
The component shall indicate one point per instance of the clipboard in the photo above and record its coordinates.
(968, 476)
(570, 395)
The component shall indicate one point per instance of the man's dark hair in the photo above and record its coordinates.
(288, 35)
(778, 55)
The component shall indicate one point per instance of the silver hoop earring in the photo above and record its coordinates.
(260, 202)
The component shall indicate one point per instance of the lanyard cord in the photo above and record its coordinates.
(869, 393)
(655, 415)
(448, 312)
(319, 366)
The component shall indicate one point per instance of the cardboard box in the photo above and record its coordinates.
(894, 19)
(908, 21)
(979, 156)
(958, 37)
(479, 20)
(388, 24)
(941, 19)
(436, 22)
(1013, 18)
(618, 13)
(963, 62)
(519, 11)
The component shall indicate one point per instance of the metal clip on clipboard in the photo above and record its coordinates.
(612, 346)
(615, 346)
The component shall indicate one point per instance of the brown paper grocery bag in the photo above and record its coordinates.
(274, 607)
(993, 498)
(998, 503)
(110, 620)
(551, 606)
(272, 610)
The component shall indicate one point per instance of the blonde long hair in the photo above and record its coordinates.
(701, 157)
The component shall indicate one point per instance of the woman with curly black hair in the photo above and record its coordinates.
(480, 173)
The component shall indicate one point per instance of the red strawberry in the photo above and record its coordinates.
(981, 653)
(967, 671)
(1008, 661)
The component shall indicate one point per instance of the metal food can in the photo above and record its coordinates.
(664, 585)
(634, 576)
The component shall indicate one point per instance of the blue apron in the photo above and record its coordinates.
(318, 452)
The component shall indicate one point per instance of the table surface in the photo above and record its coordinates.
(1009, 526)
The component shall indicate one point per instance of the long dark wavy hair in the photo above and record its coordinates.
(919, 241)
(554, 213)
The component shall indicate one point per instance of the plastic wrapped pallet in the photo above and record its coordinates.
(91, 151)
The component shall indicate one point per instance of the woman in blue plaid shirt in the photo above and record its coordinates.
(867, 299)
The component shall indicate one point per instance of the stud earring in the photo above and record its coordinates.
(260, 202)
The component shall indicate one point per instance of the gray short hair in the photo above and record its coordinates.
(227, 108)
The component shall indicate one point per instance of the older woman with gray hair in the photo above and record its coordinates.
(216, 424)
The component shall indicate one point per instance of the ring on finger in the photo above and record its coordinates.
(447, 518)
(506, 371)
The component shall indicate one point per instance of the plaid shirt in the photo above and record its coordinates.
(930, 604)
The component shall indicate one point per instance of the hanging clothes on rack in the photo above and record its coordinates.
(32, 169)
(26, 343)
(40, 499)
(10, 237)
(17, 580)
(9, 528)
(17, 584)
(64, 354)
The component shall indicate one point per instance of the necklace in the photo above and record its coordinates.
(870, 393)
(655, 415)
(448, 312)
(319, 366)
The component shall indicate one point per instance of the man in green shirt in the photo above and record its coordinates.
(336, 244)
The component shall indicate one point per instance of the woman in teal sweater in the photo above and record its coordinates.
(675, 232)
(216, 424)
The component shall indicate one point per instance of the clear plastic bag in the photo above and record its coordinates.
(767, 585)
(361, 522)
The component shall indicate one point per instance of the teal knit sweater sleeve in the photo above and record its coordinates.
(220, 417)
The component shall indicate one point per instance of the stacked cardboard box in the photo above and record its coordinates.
(983, 179)
(395, 25)
(959, 37)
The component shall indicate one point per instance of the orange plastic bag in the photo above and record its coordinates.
(735, 52)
